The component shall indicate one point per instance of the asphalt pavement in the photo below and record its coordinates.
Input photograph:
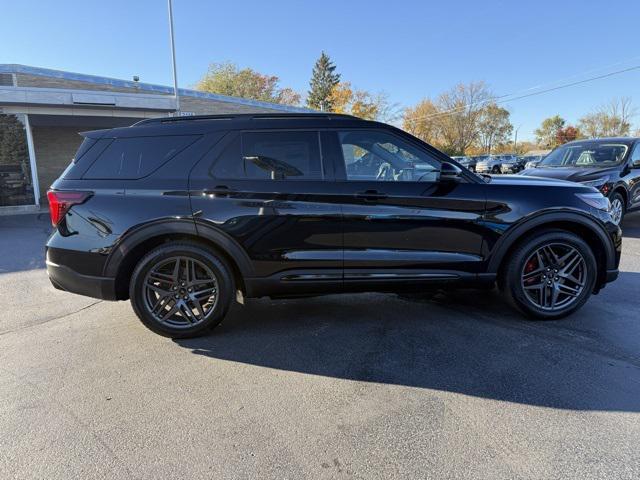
(367, 386)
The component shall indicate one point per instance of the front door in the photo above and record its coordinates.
(400, 221)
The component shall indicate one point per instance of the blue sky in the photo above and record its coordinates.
(409, 49)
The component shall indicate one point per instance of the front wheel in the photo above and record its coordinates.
(180, 290)
(551, 275)
(617, 208)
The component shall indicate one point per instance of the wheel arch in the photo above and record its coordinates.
(135, 243)
(621, 189)
(574, 222)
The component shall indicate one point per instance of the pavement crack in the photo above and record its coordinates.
(60, 317)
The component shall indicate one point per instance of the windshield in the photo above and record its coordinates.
(585, 155)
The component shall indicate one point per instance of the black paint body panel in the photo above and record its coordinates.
(304, 237)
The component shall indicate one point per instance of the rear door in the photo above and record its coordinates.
(272, 192)
(400, 221)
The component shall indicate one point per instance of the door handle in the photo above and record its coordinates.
(219, 190)
(371, 195)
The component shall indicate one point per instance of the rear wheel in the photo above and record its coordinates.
(551, 275)
(181, 290)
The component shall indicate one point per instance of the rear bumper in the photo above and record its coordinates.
(64, 278)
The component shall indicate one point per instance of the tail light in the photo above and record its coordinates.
(61, 202)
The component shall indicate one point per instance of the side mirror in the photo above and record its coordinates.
(450, 172)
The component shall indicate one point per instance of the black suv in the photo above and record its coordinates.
(185, 215)
(611, 165)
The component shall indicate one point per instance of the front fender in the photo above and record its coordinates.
(607, 236)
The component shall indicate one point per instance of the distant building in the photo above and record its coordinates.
(42, 111)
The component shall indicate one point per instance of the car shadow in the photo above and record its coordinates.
(631, 225)
(466, 342)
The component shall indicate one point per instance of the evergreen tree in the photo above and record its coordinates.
(323, 79)
(13, 143)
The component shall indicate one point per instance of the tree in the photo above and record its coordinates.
(323, 80)
(451, 122)
(610, 120)
(567, 134)
(461, 108)
(422, 122)
(13, 141)
(360, 103)
(228, 79)
(547, 134)
(494, 127)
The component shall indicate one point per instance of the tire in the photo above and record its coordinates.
(203, 286)
(522, 275)
(618, 207)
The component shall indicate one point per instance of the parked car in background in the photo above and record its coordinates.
(489, 164)
(467, 162)
(184, 215)
(511, 164)
(611, 165)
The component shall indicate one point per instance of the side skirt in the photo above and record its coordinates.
(302, 283)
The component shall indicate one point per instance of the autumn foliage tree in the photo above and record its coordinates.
(567, 134)
(494, 127)
(227, 79)
(547, 133)
(610, 120)
(454, 121)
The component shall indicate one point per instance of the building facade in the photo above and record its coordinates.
(42, 112)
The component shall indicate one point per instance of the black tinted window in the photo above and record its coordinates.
(131, 158)
(271, 155)
(229, 164)
(86, 144)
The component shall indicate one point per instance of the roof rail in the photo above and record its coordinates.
(246, 116)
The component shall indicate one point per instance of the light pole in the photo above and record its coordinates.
(173, 58)
(515, 140)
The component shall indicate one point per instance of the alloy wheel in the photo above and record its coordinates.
(554, 276)
(180, 291)
(617, 208)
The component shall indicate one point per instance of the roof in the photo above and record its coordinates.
(141, 86)
(251, 116)
(203, 124)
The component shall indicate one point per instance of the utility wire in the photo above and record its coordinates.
(517, 96)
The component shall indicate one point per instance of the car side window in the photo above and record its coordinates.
(135, 157)
(276, 155)
(375, 155)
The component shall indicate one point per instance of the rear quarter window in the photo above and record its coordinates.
(136, 157)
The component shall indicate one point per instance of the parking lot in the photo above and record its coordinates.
(454, 385)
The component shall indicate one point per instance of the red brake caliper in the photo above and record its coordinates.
(530, 267)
